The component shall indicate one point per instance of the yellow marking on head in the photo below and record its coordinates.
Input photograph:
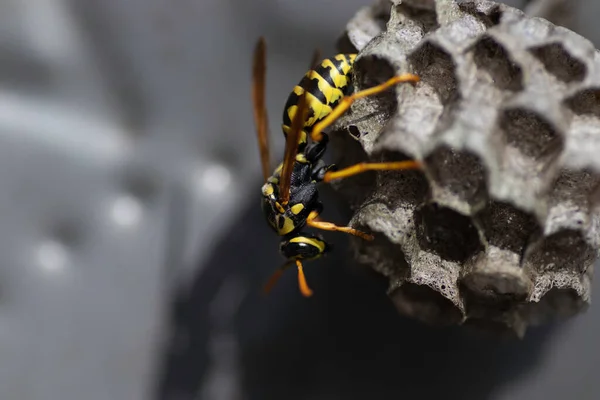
(267, 189)
(279, 208)
(288, 225)
(297, 208)
(301, 158)
(319, 244)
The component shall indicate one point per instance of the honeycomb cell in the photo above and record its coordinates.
(348, 151)
(531, 134)
(507, 227)
(459, 173)
(585, 102)
(571, 200)
(411, 185)
(380, 70)
(396, 268)
(582, 137)
(575, 186)
(445, 232)
(414, 11)
(490, 17)
(560, 63)
(594, 198)
(494, 60)
(437, 69)
(495, 275)
(500, 288)
(425, 304)
(565, 250)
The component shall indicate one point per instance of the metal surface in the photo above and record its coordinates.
(129, 172)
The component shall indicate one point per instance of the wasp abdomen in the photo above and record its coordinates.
(326, 85)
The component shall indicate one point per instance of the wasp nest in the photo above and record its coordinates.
(501, 228)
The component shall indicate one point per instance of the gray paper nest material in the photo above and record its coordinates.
(502, 228)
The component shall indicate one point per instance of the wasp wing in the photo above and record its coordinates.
(260, 111)
(315, 59)
(291, 144)
(291, 147)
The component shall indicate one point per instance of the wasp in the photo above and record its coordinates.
(290, 197)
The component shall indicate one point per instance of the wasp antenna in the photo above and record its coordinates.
(275, 277)
(304, 289)
(259, 68)
(315, 59)
(272, 281)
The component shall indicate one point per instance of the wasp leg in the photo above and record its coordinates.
(363, 167)
(314, 221)
(317, 132)
(321, 169)
(275, 277)
(304, 289)
(314, 151)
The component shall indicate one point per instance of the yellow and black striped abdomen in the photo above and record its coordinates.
(326, 85)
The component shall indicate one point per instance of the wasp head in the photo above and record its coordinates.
(282, 218)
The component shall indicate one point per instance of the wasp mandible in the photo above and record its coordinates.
(290, 197)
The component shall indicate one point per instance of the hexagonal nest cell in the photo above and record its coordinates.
(501, 227)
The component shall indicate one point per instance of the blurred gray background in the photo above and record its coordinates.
(133, 248)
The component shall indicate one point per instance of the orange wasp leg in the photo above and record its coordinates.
(304, 289)
(363, 167)
(317, 135)
(313, 221)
